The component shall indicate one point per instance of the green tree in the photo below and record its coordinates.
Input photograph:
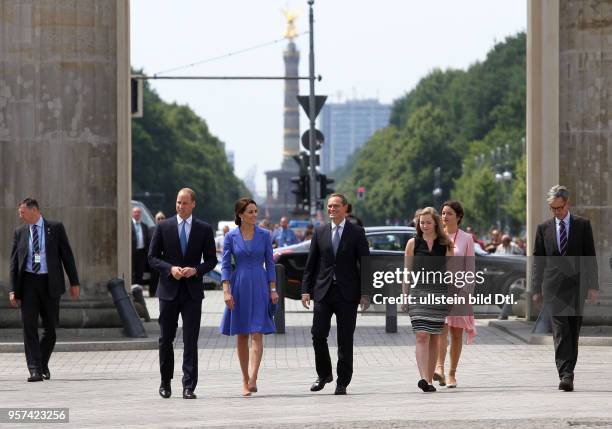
(454, 120)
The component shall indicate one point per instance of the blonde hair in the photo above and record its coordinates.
(442, 237)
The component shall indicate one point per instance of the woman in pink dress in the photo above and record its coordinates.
(462, 319)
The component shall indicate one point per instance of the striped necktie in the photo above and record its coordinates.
(35, 248)
(562, 238)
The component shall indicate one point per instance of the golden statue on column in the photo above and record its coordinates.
(290, 16)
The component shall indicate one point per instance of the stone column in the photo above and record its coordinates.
(65, 139)
(585, 126)
(291, 114)
(569, 120)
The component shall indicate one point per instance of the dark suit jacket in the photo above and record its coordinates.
(165, 252)
(59, 258)
(322, 265)
(565, 279)
(146, 235)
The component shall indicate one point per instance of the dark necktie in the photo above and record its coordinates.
(183, 238)
(35, 248)
(562, 238)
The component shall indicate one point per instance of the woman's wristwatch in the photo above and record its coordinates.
(273, 289)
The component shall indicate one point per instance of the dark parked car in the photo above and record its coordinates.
(500, 272)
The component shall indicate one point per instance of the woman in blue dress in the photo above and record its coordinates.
(248, 290)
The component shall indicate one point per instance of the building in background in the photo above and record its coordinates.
(347, 126)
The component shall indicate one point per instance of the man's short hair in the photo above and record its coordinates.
(29, 203)
(342, 197)
(557, 191)
(190, 192)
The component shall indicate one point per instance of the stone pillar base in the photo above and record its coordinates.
(73, 314)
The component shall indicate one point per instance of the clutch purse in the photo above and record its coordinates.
(272, 309)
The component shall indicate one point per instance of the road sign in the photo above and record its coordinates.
(319, 139)
(304, 101)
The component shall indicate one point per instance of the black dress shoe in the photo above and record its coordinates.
(35, 376)
(320, 383)
(188, 394)
(165, 391)
(566, 384)
(46, 375)
(340, 390)
(425, 386)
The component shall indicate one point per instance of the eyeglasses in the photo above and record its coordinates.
(557, 209)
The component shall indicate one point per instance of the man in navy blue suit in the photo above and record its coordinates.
(178, 247)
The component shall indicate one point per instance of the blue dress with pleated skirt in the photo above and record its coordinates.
(249, 282)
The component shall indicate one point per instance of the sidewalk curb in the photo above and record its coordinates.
(522, 330)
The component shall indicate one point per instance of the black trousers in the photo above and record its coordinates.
(566, 332)
(139, 265)
(153, 282)
(35, 302)
(346, 319)
(191, 312)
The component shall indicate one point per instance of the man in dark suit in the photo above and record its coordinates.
(40, 253)
(565, 274)
(177, 249)
(332, 278)
(140, 245)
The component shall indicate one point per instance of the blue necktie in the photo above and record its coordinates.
(183, 238)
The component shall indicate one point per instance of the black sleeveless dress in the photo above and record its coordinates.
(425, 314)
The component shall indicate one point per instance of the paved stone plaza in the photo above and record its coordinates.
(503, 382)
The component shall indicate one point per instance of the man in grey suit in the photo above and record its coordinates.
(565, 274)
(41, 252)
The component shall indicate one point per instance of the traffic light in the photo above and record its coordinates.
(136, 91)
(324, 189)
(301, 190)
(303, 161)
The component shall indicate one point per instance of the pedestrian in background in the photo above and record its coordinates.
(308, 232)
(351, 217)
(283, 235)
(141, 239)
(426, 251)
(249, 291)
(40, 254)
(220, 239)
(507, 247)
(159, 217)
(461, 317)
(494, 241)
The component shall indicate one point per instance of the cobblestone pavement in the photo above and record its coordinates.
(502, 383)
